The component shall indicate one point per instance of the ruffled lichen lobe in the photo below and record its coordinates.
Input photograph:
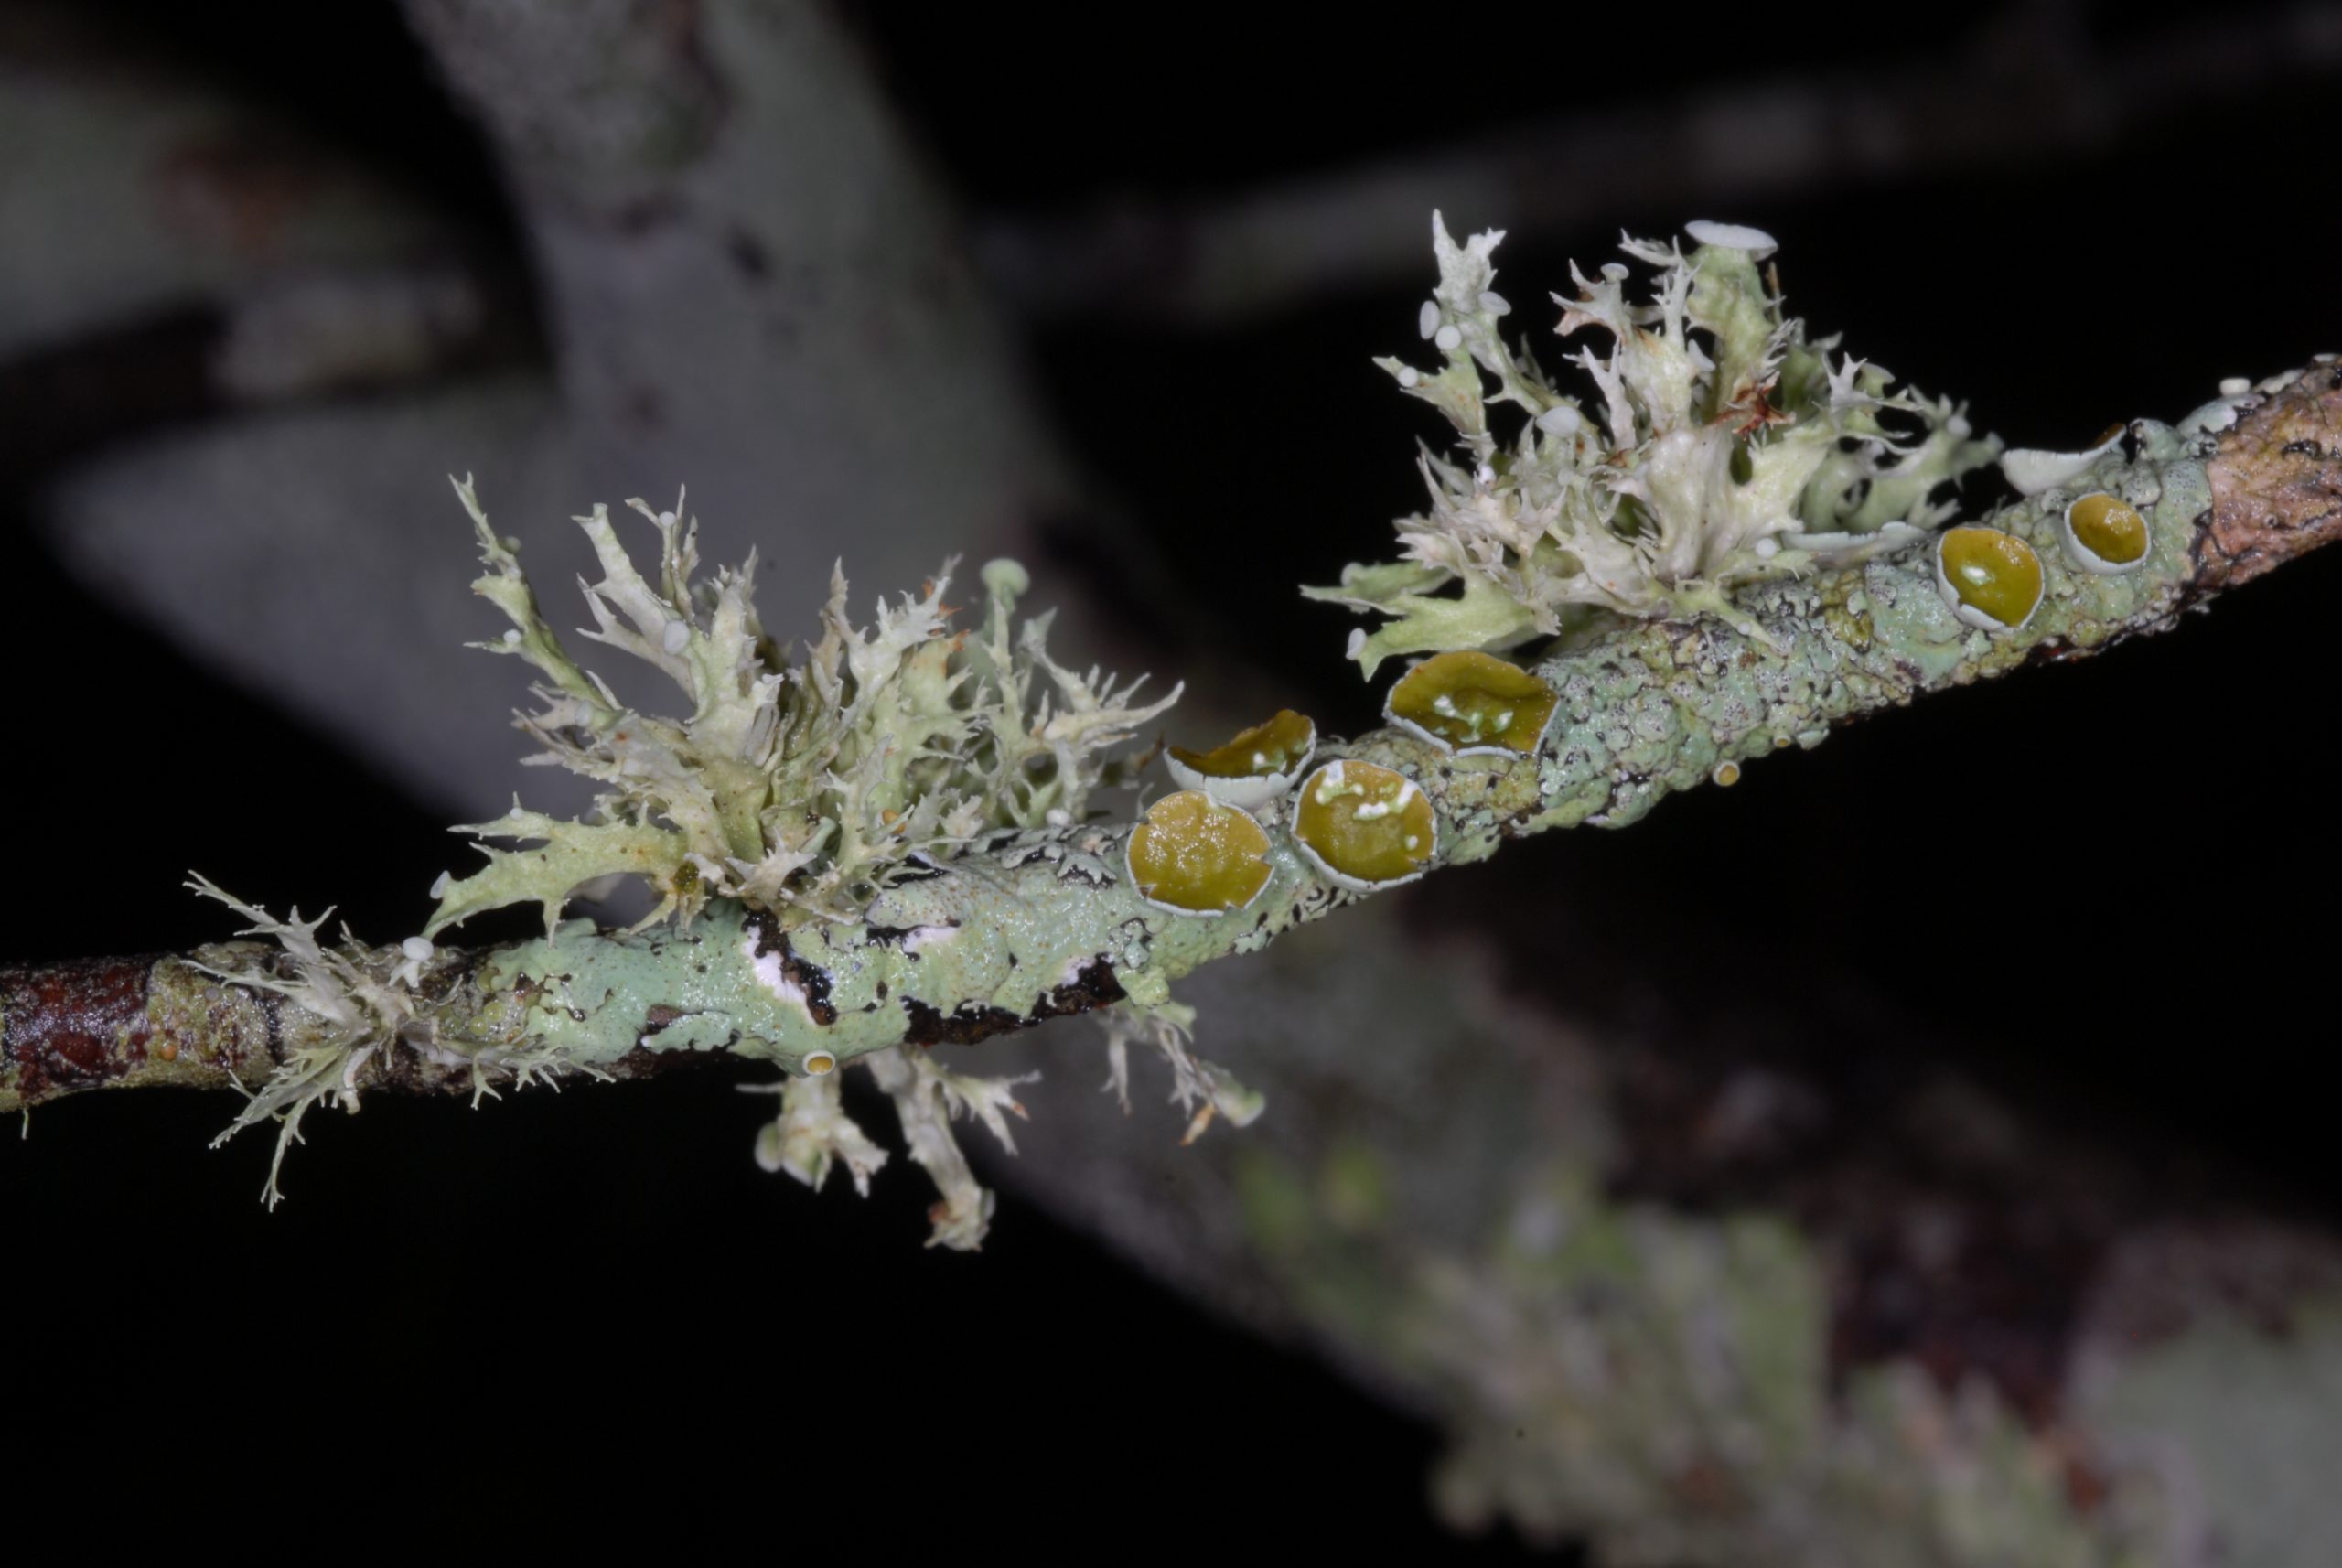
(801, 788)
(1721, 449)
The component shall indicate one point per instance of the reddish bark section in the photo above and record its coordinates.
(73, 1025)
(2277, 482)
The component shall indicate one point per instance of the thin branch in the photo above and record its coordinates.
(1028, 926)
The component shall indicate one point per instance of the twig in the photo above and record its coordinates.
(1039, 924)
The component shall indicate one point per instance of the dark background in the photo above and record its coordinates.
(591, 1310)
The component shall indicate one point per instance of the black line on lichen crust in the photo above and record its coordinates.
(809, 978)
(1093, 986)
(964, 1026)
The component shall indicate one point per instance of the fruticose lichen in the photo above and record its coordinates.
(355, 1002)
(1723, 449)
(792, 794)
(802, 787)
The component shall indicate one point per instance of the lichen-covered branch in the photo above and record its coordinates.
(888, 846)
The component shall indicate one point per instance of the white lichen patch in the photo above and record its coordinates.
(771, 970)
(1720, 448)
(921, 938)
(800, 786)
(2032, 471)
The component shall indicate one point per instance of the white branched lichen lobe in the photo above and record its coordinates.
(351, 1003)
(803, 787)
(1721, 448)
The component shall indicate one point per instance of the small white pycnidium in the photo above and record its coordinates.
(1447, 337)
(676, 635)
(439, 888)
(1731, 236)
(1615, 271)
(2235, 386)
(1486, 473)
(1410, 376)
(1494, 303)
(417, 948)
(1767, 547)
(820, 1064)
(513, 637)
(1357, 643)
(1561, 419)
(1057, 817)
(1427, 319)
(666, 520)
(2032, 471)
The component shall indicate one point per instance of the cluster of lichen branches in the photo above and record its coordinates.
(892, 843)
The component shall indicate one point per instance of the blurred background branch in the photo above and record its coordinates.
(2031, 86)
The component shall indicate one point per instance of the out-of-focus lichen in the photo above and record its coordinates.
(1722, 449)
(1660, 1383)
(1202, 1090)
